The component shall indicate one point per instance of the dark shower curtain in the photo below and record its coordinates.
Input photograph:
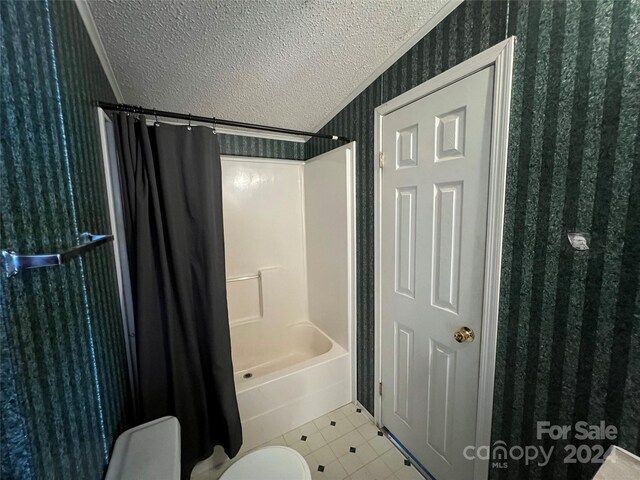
(172, 206)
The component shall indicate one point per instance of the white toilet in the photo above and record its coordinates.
(269, 463)
(152, 451)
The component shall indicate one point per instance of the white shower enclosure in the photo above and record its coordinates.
(290, 253)
(290, 267)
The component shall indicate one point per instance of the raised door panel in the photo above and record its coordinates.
(441, 401)
(405, 261)
(450, 135)
(403, 365)
(447, 230)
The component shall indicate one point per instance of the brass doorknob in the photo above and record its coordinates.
(464, 335)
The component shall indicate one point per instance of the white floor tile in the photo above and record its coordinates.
(278, 441)
(375, 457)
(361, 474)
(330, 433)
(378, 470)
(354, 438)
(335, 471)
(358, 419)
(348, 409)
(344, 426)
(312, 462)
(315, 441)
(408, 473)
(292, 436)
(368, 430)
(351, 462)
(308, 428)
(393, 459)
(324, 455)
(301, 447)
(380, 444)
(340, 447)
(322, 422)
(335, 415)
(365, 453)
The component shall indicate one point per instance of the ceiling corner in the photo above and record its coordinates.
(438, 17)
(92, 30)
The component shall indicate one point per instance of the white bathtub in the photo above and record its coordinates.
(286, 377)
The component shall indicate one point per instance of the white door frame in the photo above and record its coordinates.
(112, 187)
(499, 56)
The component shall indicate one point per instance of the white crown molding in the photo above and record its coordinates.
(92, 30)
(440, 15)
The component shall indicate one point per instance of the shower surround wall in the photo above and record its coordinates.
(280, 223)
(290, 347)
(569, 335)
(264, 230)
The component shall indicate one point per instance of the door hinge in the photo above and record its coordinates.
(380, 389)
(381, 160)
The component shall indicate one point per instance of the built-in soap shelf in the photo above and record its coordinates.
(245, 277)
(244, 298)
(264, 296)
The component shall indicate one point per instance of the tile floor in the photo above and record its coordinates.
(343, 444)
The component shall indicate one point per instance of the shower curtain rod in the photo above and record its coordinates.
(215, 121)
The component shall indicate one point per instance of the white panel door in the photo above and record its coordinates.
(435, 185)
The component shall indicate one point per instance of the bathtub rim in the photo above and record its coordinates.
(335, 351)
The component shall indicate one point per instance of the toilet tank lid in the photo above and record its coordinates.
(147, 452)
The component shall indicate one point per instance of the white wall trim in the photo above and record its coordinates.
(119, 247)
(352, 275)
(500, 57)
(440, 15)
(92, 30)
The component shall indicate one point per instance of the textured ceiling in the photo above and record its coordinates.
(287, 63)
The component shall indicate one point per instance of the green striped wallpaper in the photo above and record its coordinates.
(65, 393)
(260, 147)
(569, 331)
(471, 28)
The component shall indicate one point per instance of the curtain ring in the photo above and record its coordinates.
(214, 126)
(155, 114)
(189, 126)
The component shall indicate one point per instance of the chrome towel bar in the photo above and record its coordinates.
(14, 263)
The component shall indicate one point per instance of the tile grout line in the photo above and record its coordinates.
(325, 456)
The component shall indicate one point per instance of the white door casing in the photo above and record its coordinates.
(439, 212)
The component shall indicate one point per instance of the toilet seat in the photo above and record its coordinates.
(269, 463)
